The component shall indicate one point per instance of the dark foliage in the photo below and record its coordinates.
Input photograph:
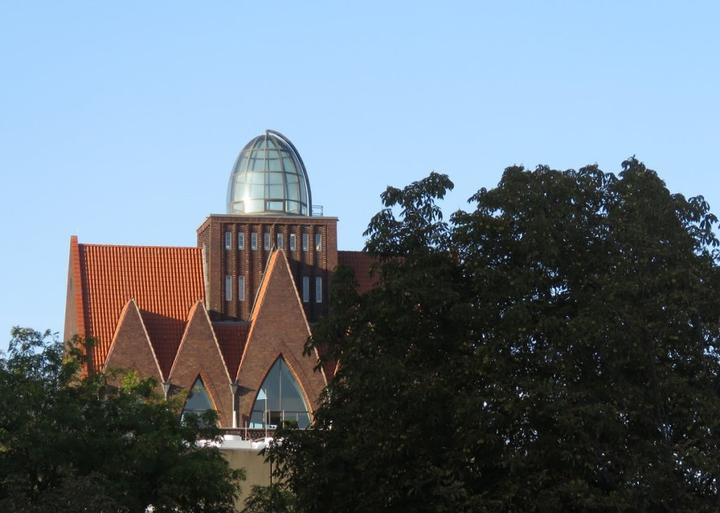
(70, 443)
(552, 350)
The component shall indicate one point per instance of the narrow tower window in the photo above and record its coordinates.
(241, 288)
(306, 289)
(318, 242)
(266, 241)
(279, 240)
(304, 241)
(293, 242)
(241, 240)
(318, 289)
(228, 287)
(253, 241)
(228, 240)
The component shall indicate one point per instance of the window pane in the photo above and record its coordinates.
(276, 191)
(198, 401)
(292, 242)
(241, 240)
(257, 191)
(304, 241)
(228, 240)
(266, 240)
(228, 288)
(289, 165)
(279, 240)
(292, 207)
(254, 205)
(241, 288)
(306, 289)
(275, 179)
(318, 242)
(318, 289)
(253, 241)
(293, 192)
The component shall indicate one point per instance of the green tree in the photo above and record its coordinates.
(552, 350)
(70, 443)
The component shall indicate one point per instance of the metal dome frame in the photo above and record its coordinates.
(284, 145)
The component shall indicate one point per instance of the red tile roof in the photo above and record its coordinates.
(360, 262)
(231, 337)
(164, 281)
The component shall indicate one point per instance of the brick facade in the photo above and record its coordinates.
(279, 329)
(131, 348)
(219, 237)
(199, 356)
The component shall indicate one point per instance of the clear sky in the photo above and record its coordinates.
(120, 121)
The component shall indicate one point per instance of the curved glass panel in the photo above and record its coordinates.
(279, 400)
(269, 177)
(198, 401)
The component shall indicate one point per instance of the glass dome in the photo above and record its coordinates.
(269, 177)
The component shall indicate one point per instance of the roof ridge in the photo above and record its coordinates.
(102, 245)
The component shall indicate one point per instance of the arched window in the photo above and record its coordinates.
(198, 401)
(279, 400)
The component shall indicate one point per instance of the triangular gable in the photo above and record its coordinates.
(199, 355)
(131, 348)
(278, 328)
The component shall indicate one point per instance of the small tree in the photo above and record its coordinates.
(552, 350)
(70, 444)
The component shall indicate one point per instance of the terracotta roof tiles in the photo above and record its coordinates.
(165, 282)
(231, 337)
(360, 262)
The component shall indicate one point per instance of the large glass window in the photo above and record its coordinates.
(198, 401)
(279, 400)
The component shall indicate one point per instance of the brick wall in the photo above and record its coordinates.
(229, 261)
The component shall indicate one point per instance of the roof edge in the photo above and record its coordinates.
(76, 272)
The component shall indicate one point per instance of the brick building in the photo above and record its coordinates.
(224, 321)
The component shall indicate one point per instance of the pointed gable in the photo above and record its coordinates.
(278, 328)
(131, 348)
(199, 355)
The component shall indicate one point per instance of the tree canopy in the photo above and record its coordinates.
(70, 443)
(552, 349)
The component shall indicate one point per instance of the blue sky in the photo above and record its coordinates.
(120, 121)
